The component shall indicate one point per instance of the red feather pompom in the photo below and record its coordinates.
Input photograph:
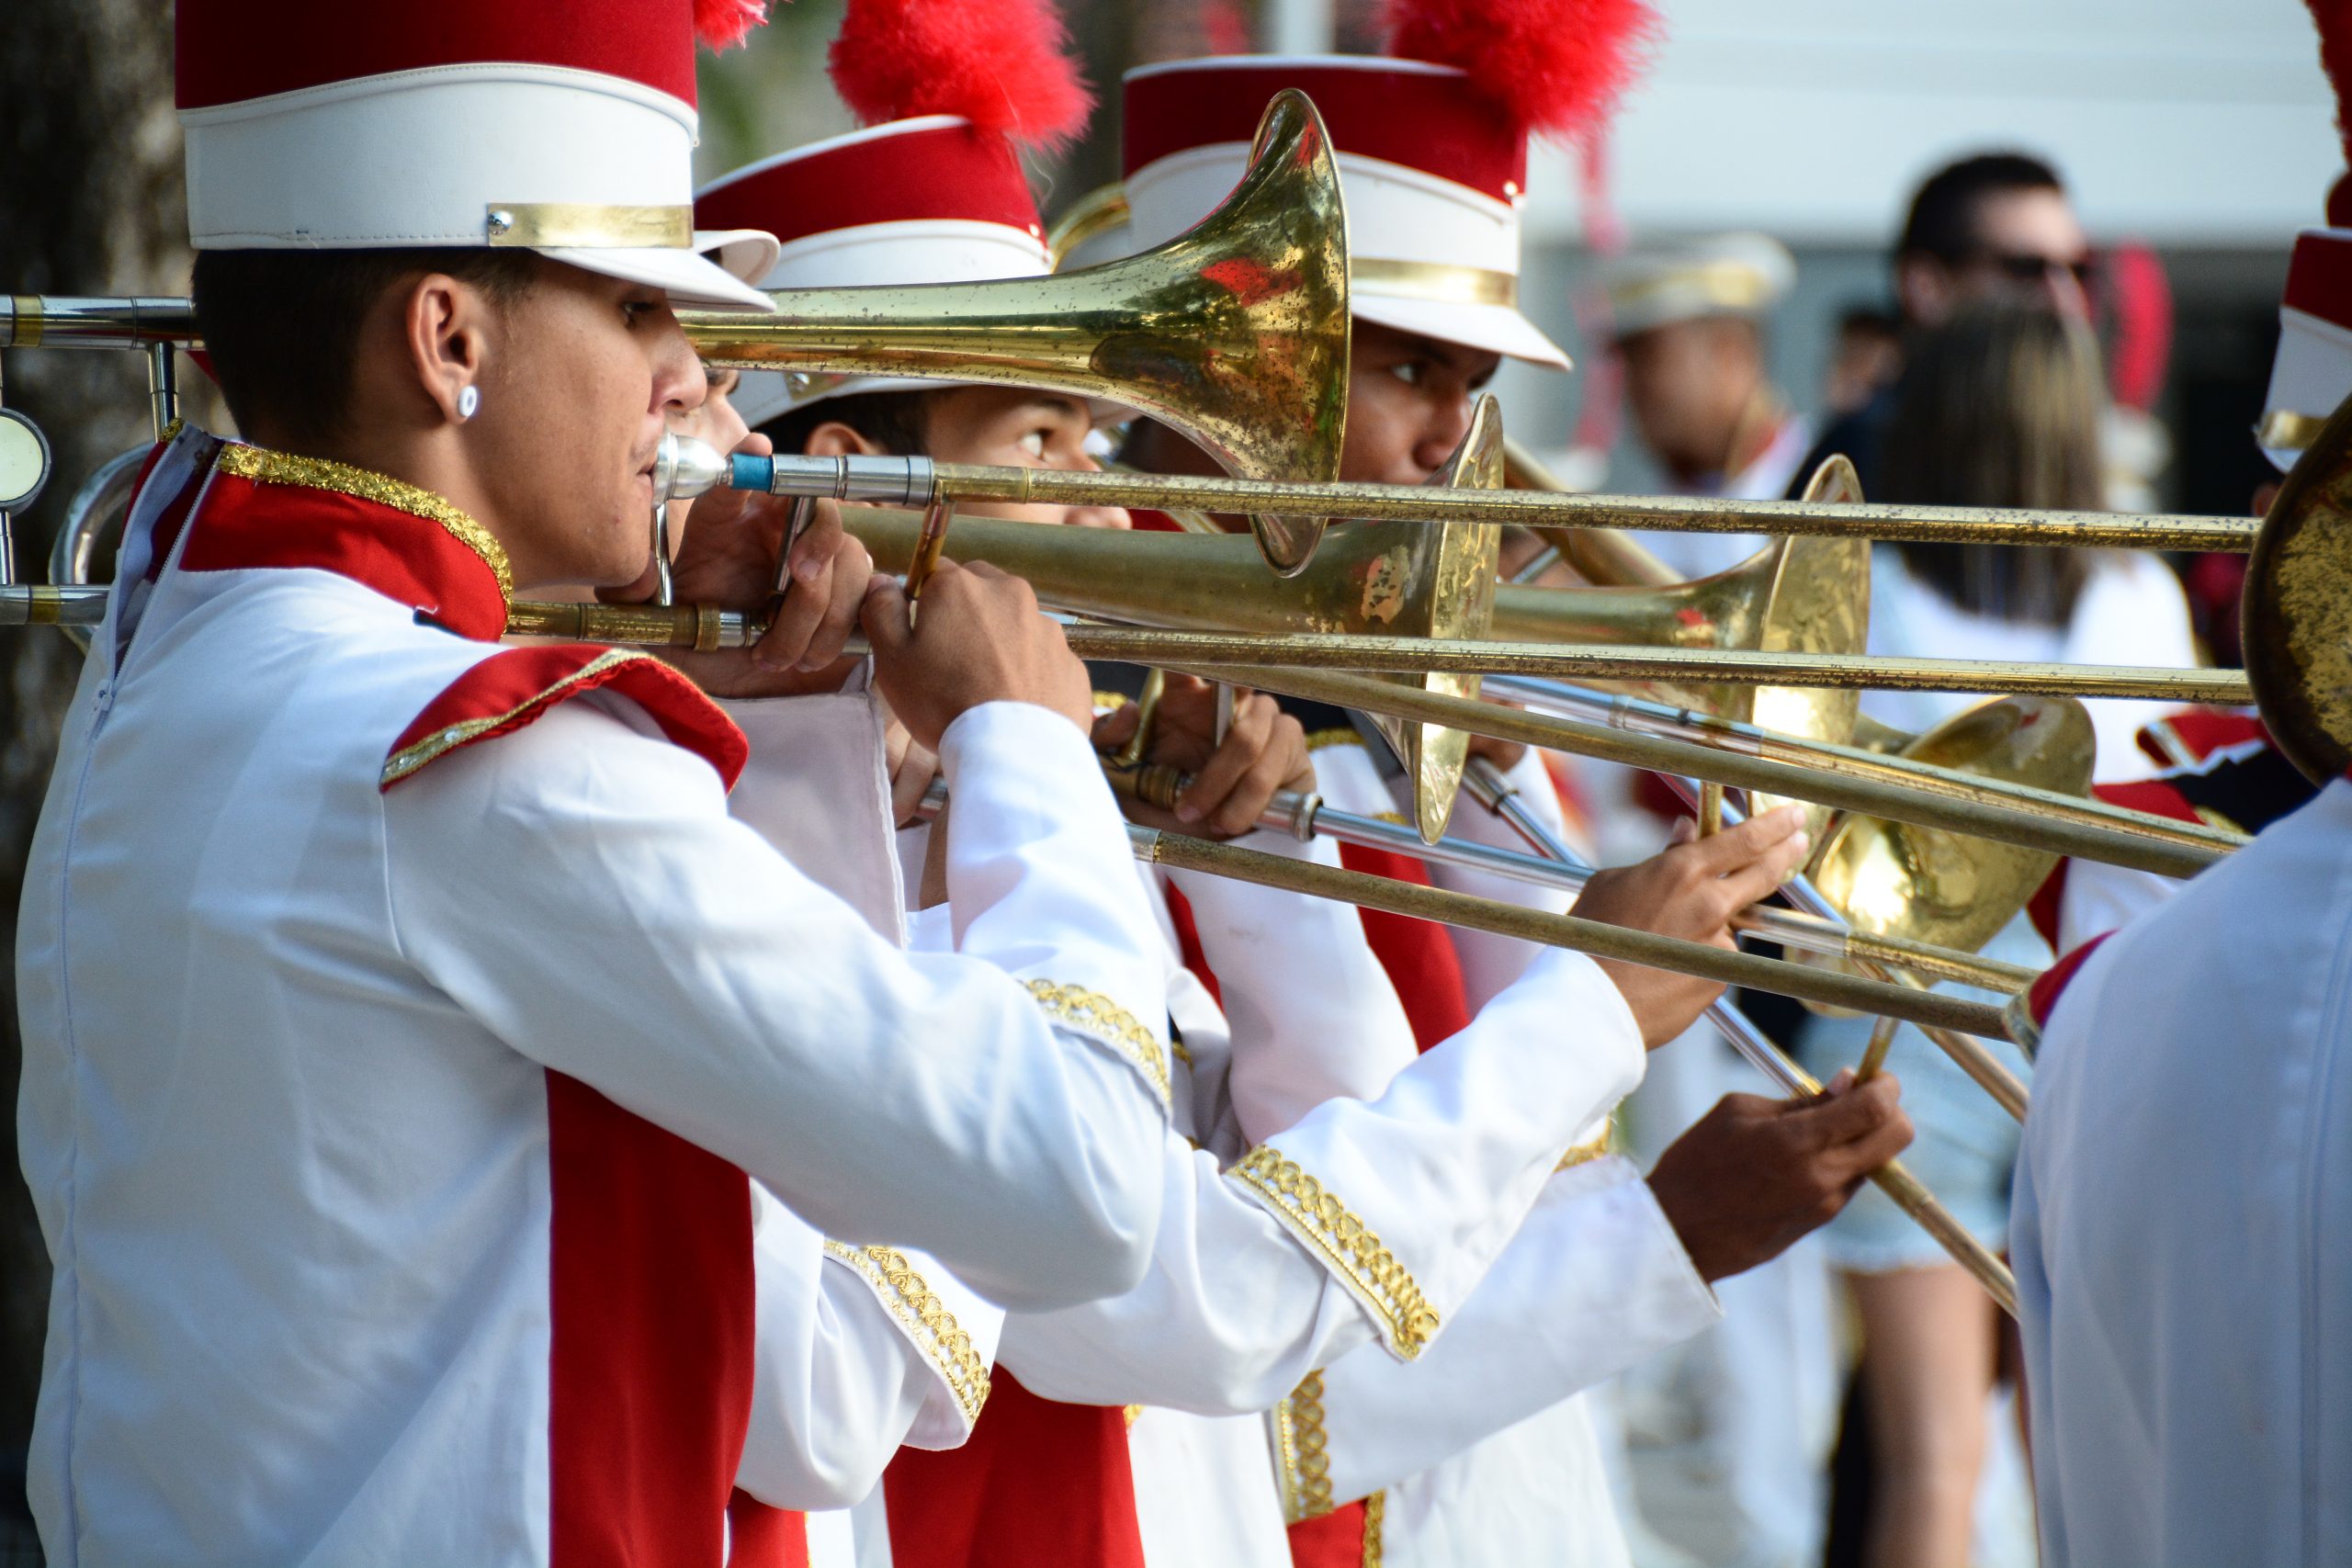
(2334, 18)
(1558, 66)
(723, 24)
(1003, 65)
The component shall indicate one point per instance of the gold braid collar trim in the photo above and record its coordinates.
(1319, 739)
(927, 1320)
(1593, 1148)
(1386, 1287)
(264, 466)
(416, 754)
(1093, 1014)
(1305, 1453)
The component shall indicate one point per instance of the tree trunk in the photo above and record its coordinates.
(92, 204)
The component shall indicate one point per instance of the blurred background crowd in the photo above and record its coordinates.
(2000, 253)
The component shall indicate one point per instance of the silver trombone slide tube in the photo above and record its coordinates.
(1759, 1051)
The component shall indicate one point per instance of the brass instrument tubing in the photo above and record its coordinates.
(1532, 509)
(1989, 1075)
(1907, 1192)
(1602, 661)
(1594, 937)
(2098, 840)
(1790, 928)
(1637, 716)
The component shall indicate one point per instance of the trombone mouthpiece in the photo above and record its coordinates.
(884, 482)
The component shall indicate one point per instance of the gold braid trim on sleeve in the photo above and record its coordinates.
(1305, 1452)
(1319, 739)
(1369, 1270)
(1093, 1014)
(926, 1319)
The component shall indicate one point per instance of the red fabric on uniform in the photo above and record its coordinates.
(1440, 122)
(229, 50)
(2194, 734)
(762, 1537)
(946, 172)
(247, 524)
(2152, 795)
(651, 1337)
(1188, 944)
(1417, 955)
(1039, 1482)
(518, 685)
(1334, 1541)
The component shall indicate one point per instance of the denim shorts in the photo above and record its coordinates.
(1966, 1149)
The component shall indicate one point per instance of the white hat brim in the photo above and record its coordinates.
(716, 275)
(764, 395)
(1498, 329)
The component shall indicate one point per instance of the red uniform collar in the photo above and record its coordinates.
(271, 509)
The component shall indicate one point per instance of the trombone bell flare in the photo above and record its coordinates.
(2298, 607)
(1235, 334)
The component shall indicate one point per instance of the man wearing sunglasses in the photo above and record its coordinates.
(1991, 226)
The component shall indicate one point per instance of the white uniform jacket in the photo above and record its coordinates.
(400, 1036)
(2182, 1227)
(1482, 1451)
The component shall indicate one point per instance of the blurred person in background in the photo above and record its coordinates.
(1690, 325)
(1993, 226)
(1865, 358)
(2000, 406)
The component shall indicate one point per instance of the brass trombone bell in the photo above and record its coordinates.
(1235, 334)
(1927, 884)
(2298, 610)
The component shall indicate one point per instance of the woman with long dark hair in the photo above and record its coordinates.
(2001, 407)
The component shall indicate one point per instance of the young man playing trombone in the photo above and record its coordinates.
(1432, 160)
(416, 1051)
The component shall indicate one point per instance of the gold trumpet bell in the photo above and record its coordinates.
(1953, 889)
(1388, 579)
(2297, 619)
(1234, 332)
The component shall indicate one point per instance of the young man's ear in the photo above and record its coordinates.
(834, 439)
(445, 326)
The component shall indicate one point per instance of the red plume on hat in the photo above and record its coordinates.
(2334, 18)
(1002, 64)
(1558, 66)
(723, 24)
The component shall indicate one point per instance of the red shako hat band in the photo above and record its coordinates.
(945, 170)
(1421, 116)
(2319, 277)
(232, 50)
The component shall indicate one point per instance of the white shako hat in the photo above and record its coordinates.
(568, 129)
(932, 200)
(1724, 275)
(2312, 371)
(1434, 170)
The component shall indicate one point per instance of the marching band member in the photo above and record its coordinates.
(1689, 322)
(1380, 1460)
(430, 1094)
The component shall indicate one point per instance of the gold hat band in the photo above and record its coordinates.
(1435, 280)
(589, 226)
(2282, 430)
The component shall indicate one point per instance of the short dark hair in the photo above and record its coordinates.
(1942, 223)
(896, 422)
(281, 328)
